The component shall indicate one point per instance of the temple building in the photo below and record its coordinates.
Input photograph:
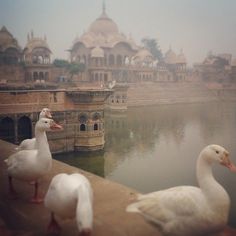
(37, 59)
(216, 68)
(10, 51)
(109, 55)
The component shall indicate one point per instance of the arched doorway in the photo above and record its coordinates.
(82, 127)
(7, 129)
(95, 127)
(24, 128)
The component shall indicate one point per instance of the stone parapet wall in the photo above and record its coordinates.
(170, 93)
(12, 73)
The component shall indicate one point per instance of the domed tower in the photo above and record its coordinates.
(102, 42)
(181, 66)
(144, 61)
(170, 57)
(37, 59)
(10, 51)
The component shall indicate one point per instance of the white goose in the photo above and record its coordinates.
(29, 144)
(187, 210)
(70, 196)
(30, 165)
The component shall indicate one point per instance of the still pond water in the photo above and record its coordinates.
(156, 147)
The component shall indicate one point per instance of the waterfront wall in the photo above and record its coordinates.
(142, 94)
(81, 112)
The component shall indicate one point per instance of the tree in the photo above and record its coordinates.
(152, 45)
(61, 63)
(72, 68)
(76, 68)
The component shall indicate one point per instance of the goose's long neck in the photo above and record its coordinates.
(41, 141)
(204, 174)
(207, 183)
(84, 209)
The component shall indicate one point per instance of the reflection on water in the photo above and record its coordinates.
(153, 148)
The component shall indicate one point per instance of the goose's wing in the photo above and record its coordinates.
(27, 144)
(22, 163)
(22, 156)
(162, 206)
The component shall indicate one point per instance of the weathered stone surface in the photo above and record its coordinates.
(21, 218)
(110, 201)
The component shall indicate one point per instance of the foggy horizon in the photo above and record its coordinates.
(197, 27)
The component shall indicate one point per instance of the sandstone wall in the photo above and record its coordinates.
(169, 93)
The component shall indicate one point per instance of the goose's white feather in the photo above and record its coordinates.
(187, 210)
(70, 196)
(30, 165)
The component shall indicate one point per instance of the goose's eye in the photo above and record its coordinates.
(45, 122)
(217, 152)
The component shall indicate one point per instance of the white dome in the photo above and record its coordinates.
(104, 25)
(34, 43)
(103, 32)
(170, 57)
(143, 55)
(181, 58)
(97, 52)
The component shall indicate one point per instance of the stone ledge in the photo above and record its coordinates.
(110, 201)
(21, 218)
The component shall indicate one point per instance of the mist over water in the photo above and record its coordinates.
(156, 147)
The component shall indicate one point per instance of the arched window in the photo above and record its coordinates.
(40, 60)
(85, 59)
(111, 59)
(119, 60)
(83, 118)
(96, 77)
(95, 127)
(82, 127)
(96, 116)
(24, 128)
(46, 76)
(35, 76)
(41, 75)
(7, 129)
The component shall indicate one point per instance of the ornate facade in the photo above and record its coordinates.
(80, 112)
(37, 59)
(110, 55)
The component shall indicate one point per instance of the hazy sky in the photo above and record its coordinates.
(196, 26)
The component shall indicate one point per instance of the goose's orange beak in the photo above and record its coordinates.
(227, 162)
(48, 114)
(55, 126)
(232, 167)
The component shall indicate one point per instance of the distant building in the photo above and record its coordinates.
(10, 51)
(37, 59)
(215, 68)
(110, 55)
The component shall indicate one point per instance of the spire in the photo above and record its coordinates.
(103, 7)
(32, 34)
(104, 14)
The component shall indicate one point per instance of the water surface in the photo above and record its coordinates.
(156, 147)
